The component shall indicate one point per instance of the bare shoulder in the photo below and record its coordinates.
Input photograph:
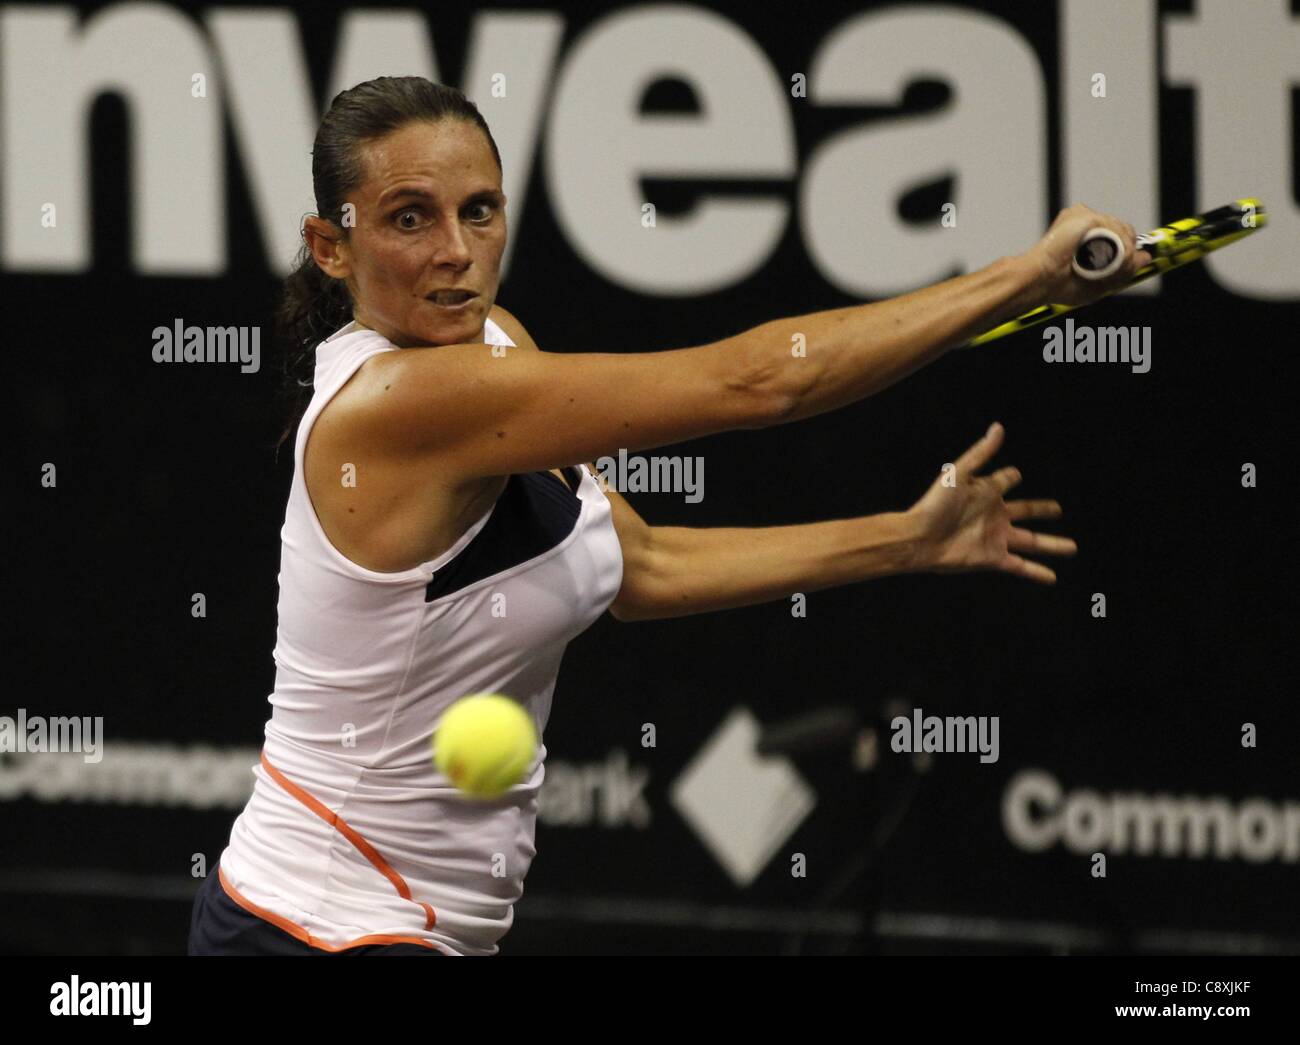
(389, 388)
(507, 322)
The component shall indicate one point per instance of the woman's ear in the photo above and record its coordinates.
(325, 242)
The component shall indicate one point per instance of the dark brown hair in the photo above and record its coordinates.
(313, 305)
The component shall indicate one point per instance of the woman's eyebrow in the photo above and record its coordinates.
(388, 195)
(414, 192)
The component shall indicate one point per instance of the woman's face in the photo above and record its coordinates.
(430, 216)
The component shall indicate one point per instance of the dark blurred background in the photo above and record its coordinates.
(1120, 735)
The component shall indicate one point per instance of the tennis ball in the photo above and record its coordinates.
(484, 743)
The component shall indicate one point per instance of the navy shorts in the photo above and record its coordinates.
(218, 925)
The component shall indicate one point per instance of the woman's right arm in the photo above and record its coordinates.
(479, 414)
(853, 353)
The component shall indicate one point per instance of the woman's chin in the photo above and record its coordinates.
(453, 327)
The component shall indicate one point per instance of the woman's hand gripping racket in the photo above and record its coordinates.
(1106, 256)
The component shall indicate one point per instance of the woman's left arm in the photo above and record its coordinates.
(961, 524)
(675, 571)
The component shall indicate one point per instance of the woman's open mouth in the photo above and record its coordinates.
(451, 299)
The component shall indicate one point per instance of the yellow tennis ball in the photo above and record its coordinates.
(484, 743)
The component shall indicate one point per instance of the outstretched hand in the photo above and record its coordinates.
(966, 525)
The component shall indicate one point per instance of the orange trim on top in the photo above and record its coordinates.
(299, 933)
(366, 849)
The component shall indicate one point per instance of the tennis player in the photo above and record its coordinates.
(443, 537)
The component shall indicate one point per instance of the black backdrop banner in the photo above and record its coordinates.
(156, 169)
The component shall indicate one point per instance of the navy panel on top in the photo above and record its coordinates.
(535, 512)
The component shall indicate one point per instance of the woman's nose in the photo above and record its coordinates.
(450, 246)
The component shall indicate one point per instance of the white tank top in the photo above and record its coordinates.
(351, 835)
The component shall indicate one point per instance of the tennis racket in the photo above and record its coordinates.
(1100, 254)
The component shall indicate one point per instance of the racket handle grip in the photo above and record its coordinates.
(1099, 254)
